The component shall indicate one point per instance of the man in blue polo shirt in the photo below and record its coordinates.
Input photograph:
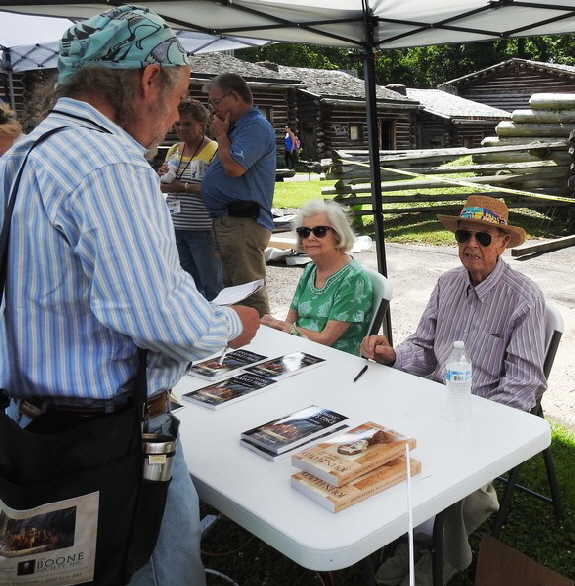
(238, 186)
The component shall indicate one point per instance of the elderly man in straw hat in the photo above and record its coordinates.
(96, 267)
(500, 314)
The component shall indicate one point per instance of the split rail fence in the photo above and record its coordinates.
(532, 176)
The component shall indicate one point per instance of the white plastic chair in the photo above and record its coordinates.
(382, 293)
(554, 328)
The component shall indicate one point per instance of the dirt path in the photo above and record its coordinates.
(414, 270)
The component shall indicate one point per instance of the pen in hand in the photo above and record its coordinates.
(360, 373)
(224, 351)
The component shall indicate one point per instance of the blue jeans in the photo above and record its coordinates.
(198, 257)
(176, 559)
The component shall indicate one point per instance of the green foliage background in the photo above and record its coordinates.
(442, 62)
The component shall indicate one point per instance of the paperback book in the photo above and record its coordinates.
(346, 456)
(336, 498)
(286, 433)
(236, 360)
(229, 390)
(286, 365)
(268, 455)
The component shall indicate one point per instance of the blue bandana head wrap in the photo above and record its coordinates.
(126, 37)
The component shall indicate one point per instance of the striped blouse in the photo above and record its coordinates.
(193, 214)
(501, 321)
(94, 270)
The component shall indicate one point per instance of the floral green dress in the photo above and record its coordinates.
(346, 296)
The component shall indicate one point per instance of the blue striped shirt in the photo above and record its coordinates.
(93, 269)
(501, 321)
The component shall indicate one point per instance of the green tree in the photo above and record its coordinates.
(420, 66)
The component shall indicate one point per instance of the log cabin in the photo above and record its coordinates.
(509, 85)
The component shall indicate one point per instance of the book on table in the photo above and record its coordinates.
(286, 365)
(345, 456)
(236, 360)
(337, 498)
(286, 433)
(268, 455)
(229, 390)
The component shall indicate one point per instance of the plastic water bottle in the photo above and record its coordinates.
(170, 174)
(458, 381)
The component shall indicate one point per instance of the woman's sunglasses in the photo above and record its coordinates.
(318, 231)
(484, 238)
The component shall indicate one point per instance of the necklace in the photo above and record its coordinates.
(180, 174)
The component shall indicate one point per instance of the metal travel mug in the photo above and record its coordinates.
(159, 452)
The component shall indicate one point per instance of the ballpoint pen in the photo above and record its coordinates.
(224, 351)
(360, 373)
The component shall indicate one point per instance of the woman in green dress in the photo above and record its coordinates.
(332, 303)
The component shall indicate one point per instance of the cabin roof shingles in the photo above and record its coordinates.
(335, 84)
(568, 70)
(447, 105)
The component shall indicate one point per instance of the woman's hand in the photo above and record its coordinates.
(276, 324)
(175, 186)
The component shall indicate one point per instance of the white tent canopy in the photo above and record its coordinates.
(30, 42)
(345, 22)
(366, 24)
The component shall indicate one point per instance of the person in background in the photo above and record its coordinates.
(10, 128)
(102, 275)
(332, 303)
(188, 159)
(500, 315)
(290, 155)
(238, 186)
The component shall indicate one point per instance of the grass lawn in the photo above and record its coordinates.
(420, 227)
(531, 528)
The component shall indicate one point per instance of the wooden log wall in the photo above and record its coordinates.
(510, 89)
(435, 132)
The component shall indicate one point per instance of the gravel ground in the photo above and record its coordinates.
(414, 269)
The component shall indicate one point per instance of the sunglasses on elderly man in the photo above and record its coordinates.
(483, 238)
(317, 231)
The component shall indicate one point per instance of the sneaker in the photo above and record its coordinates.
(424, 572)
(395, 568)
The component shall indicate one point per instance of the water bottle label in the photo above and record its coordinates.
(458, 376)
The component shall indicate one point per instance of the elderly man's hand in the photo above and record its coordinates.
(251, 322)
(379, 349)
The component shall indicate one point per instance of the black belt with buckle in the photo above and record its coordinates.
(34, 406)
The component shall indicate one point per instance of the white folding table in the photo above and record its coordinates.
(457, 458)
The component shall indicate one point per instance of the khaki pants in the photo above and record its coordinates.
(242, 243)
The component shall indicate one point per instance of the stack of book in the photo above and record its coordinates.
(353, 466)
(247, 373)
(282, 437)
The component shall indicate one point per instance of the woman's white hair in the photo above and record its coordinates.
(338, 219)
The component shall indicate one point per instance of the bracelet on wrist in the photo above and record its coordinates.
(294, 331)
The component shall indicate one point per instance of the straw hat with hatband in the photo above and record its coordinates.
(485, 211)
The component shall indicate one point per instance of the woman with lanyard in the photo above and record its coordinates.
(182, 173)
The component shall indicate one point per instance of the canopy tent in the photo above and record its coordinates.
(365, 24)
(29, 42)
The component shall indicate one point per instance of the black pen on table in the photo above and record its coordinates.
(360, 373)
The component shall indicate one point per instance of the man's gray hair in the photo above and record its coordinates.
(337, 216)
(231, 82)
(118, 86)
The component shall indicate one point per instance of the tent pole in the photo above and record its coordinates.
(374, 167)
(11, 92)
(373, 146)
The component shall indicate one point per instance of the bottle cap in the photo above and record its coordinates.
(458, 344)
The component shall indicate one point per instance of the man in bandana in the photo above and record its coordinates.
(94, 267)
